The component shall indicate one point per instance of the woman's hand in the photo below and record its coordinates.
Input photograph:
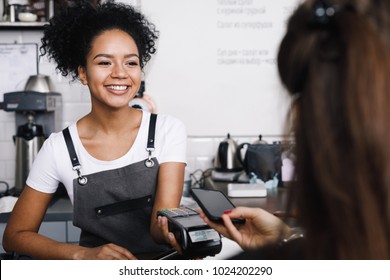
(261, 227)
(169, 236)
(105, 252)
(168, 195)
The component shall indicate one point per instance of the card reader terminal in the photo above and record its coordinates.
(195, 237)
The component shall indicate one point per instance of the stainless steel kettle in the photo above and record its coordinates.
(28, 140)
(226, 158)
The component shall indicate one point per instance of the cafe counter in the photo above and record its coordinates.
(274, 201)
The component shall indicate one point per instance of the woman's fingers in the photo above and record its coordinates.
(169, 236)
(118, 252)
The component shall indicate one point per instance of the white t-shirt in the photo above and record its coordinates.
(52, 164)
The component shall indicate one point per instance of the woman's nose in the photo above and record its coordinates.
(119, 71)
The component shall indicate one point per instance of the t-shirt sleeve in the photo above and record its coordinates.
(43, 175)
(174, 140)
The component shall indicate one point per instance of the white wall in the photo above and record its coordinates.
(218, 59)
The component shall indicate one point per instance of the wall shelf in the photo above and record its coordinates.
(18, 25)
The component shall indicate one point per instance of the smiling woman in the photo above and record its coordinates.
(118, 164)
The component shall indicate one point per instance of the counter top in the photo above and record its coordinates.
(276, 200)
(60, 209)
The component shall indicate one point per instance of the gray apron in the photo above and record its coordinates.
(115, 206)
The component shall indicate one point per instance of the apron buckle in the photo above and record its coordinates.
(81, 179)
(149, 161)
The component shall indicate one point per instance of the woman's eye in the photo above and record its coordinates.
(104, 63)
(132, 63)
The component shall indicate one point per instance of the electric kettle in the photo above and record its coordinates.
(226, 158)
(261, 159)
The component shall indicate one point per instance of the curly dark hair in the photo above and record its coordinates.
(68, 36)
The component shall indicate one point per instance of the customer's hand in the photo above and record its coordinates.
(261, 227)
(105, 252)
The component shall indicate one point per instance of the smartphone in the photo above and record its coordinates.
(214, 203)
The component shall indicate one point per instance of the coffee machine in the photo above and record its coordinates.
(37, 114)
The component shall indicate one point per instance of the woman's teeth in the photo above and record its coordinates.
(118, 87)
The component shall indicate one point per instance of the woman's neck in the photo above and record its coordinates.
(111, 122)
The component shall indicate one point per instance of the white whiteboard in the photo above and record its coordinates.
(18, 62)
(215, 66)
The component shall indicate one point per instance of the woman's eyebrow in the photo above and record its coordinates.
(111, 56)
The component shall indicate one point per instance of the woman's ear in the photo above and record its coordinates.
(82, 75)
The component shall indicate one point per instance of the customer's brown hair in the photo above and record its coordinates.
(337, 68)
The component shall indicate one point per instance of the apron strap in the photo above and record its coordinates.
(150, 144)
(69, 144)
(152, 130)
(73, 156)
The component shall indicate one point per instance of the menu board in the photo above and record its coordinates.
(215, 66)
(18, 62)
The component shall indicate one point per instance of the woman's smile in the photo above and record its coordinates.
(117, 89)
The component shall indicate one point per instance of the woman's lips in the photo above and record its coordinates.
(117, 89)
